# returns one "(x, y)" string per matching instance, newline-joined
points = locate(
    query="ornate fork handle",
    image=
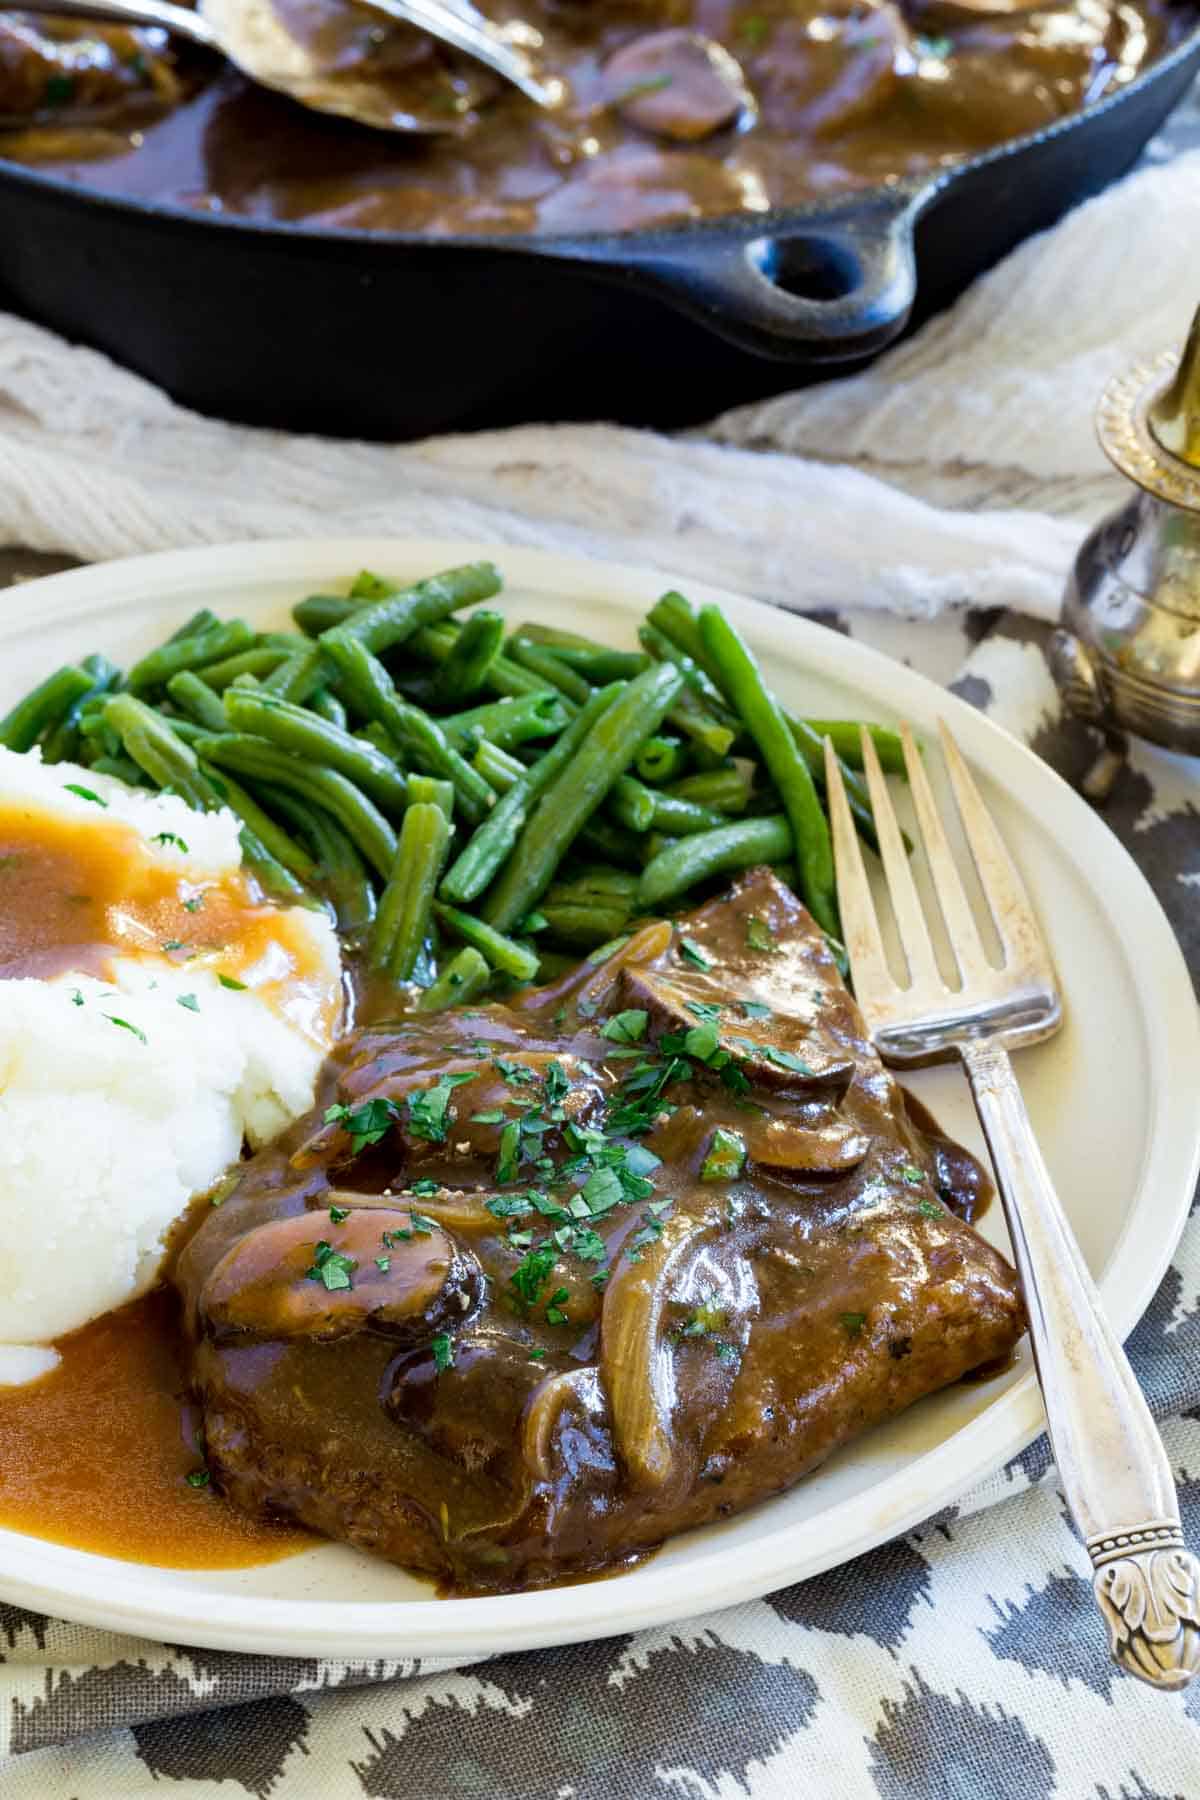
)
(1110, 1457)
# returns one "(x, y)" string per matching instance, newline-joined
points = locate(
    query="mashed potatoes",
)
(132, 1069)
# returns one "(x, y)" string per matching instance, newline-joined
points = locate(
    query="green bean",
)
(505, 677)
(661, 759)
(465, 670)
(595, 884)
(204, 620)
(187, 729)
(503, 953)
(508, 722)
(60, 741)
(195, 697)
(682, 818)
(402, 921)
(44, 706)
(465, 976)
(327, 706)
(674, 618)
(760, 713)
(271, 875)
(696, 859)
(596, 662)
(572, 797)
(320, 612)
(211, 646)
(653, 844)
(844, 734)
(724, 790)
(148, 739)
(600, 837)
(369, 586)
(428, 790)
(498, 768)
(259, 760)
(700, 712)
(298, 676)
(587, 925)
(122, 768)
(373, 733)
(369, 689)
(540, 661)
(259, 661)
(318, 742)
(340, 872)
(677, 623)
(390, 620)
(631, 803)
(479, 861)
(274, 839)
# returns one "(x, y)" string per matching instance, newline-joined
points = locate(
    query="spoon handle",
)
(178, 20)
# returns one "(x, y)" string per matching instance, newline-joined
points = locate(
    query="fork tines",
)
(1024, 954)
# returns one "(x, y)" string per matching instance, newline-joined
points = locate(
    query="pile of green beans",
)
(470, 802)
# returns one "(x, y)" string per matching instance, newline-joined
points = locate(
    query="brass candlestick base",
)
(1128, 654)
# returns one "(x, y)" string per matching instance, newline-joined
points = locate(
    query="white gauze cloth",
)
(956, 470)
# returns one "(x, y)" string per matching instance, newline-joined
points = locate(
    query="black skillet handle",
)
(829, 290)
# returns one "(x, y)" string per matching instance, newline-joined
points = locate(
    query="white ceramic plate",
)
(1113, 1098)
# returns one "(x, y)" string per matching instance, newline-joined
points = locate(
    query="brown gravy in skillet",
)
(677, 109)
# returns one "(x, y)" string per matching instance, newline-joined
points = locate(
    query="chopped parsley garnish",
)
(443, 1351)
(508, 1161)
(754, 1009)
(173, 944)
(429, 1113)
(194, 904)
(126, 1026)
(626, 1027)
(425, 1187)
(853, 1322)
(170, 837)
(383, 1263)
(421, 1225)
(581, 1241)
(197, 1478)
(726, 1156)
(84, 793)
(554, 1310)
(531, 1274)
(759, 935)
(557, 1083)
(76, 997)
(188, 1000)
(338, 1213)
(536, 1355)
(913, 1175)
(234, 986)
(706, 1321)
(494, 1116)
(937, 48)
(787, 1059)
(366, 1124)
(704, 1010)
(690, 952)
(331, 1267)
(514, 1073)
(930, 1208)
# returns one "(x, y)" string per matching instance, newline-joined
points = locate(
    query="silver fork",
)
(1111, 1461)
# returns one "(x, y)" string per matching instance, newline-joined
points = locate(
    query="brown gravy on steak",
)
(827, 1285)
(677, 109)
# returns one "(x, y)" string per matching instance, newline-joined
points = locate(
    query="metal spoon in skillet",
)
(339, 78)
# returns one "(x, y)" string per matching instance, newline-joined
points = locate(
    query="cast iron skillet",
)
(391, 335)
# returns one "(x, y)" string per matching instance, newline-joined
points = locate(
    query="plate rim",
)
(474, 1628)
